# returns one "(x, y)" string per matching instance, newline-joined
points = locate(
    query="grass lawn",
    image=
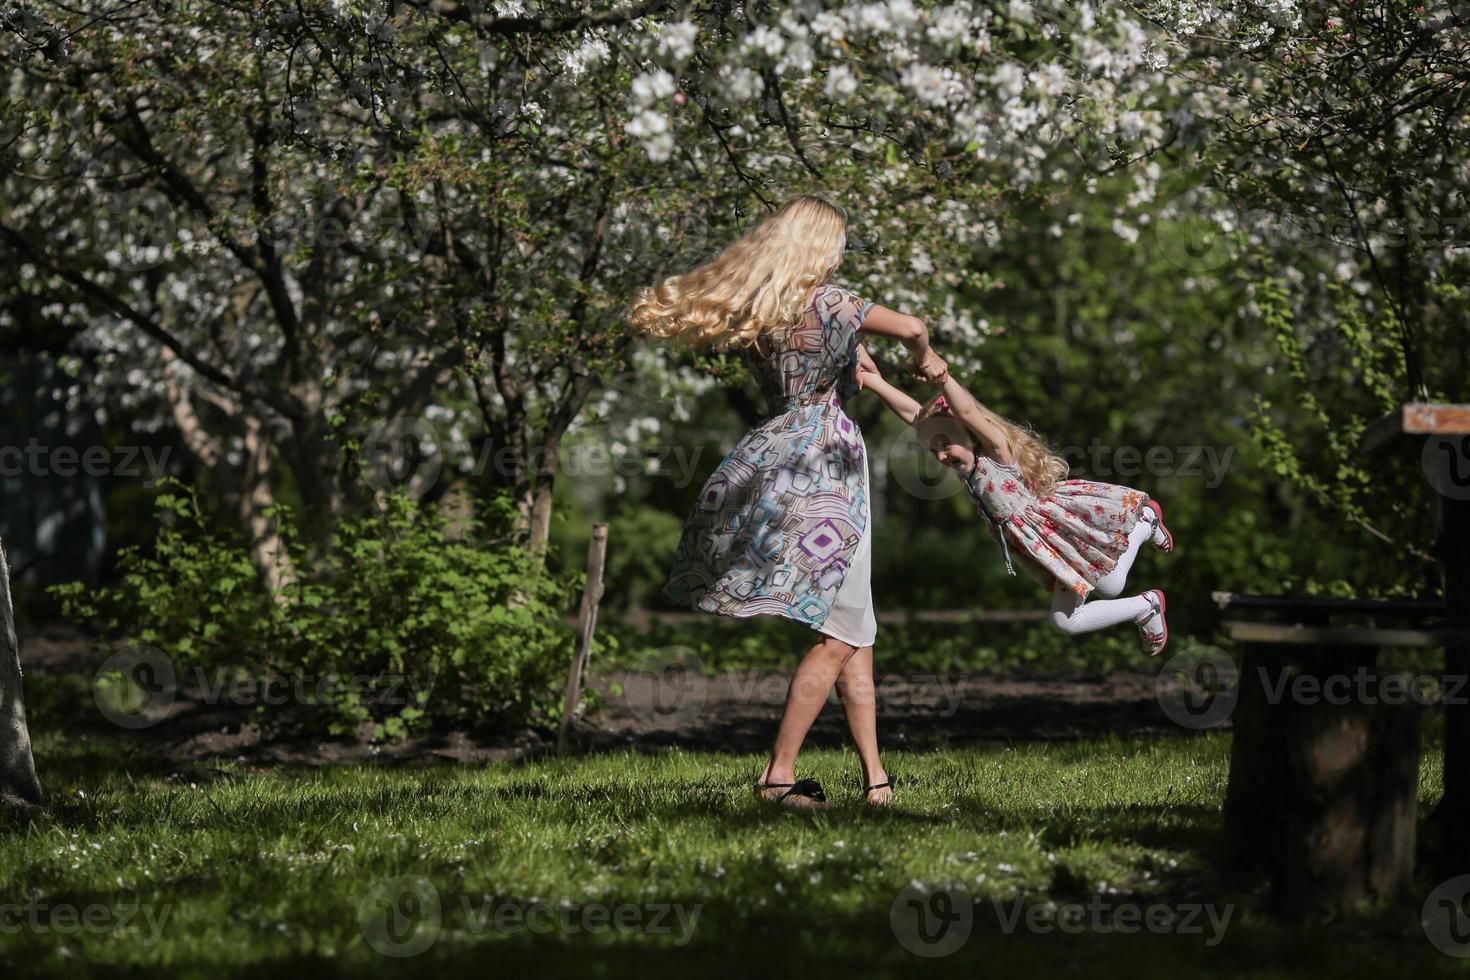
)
(659, 865)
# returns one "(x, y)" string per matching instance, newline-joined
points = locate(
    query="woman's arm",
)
(979, 420)
(913, 334)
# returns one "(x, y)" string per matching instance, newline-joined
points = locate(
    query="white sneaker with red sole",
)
(1153, 626)
(1162, 538)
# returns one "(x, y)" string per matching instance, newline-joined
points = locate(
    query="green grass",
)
(249, 872)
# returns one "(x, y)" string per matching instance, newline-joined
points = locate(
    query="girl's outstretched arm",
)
(979, 420)
(870, 378)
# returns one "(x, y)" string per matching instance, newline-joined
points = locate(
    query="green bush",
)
(396, 625)
(638, 562)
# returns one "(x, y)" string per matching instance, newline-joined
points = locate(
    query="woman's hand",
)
(930, 367)
(867, 369)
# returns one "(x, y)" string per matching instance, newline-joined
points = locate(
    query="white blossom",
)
(766, 41)
(1009, 80)
(741, 83)
(949, 24)
(841, 82)
(591, 52)
(677, 40)
(934, 86)
(652, 86)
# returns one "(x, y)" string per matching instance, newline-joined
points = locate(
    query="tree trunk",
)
(247, 488)
(536, 494)
(541, 506)
(535, 505)
(18, 780)
(314, 461)
(262, 528)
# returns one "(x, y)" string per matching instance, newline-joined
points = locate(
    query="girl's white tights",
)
(1069, 614)
(1110, 586)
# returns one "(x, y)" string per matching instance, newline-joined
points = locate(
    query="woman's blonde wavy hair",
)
(1041, 466)
(757, 285)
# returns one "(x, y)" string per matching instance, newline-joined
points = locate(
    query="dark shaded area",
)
(52, 468)
(736, 711)
(995, 941)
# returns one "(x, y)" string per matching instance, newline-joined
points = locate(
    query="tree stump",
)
(1323, 794)
(1435, 438)
(1453, 816)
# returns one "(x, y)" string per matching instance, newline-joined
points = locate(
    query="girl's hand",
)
(938, 405)
(931, 367)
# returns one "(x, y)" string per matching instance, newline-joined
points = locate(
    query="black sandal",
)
(891, 784)
(802, 789)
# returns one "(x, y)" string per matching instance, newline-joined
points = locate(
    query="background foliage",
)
(325, 253)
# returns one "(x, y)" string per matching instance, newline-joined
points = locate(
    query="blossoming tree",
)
(277, 227)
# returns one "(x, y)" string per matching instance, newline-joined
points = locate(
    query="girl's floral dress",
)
(1068, 538)
(781, 527)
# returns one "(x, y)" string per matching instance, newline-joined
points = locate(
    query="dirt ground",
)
(645, 710)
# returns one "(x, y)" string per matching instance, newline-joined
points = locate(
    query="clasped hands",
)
(929, 367)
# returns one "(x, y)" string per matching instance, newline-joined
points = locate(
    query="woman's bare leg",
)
(860, 701)
(810, 688)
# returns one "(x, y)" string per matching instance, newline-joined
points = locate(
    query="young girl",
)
(782, 525)
(1075, 537)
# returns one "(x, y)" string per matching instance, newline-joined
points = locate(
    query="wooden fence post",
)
(586, 627)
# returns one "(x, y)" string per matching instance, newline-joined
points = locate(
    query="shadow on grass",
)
(1174, 827)
(789, 915)
(968, 935)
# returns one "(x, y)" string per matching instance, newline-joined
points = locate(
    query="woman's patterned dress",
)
(781, 526)
(1068, 538)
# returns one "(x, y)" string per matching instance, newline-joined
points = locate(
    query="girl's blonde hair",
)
(1041, 466)
(758, 284)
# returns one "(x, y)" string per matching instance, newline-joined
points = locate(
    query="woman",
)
(782, 525)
